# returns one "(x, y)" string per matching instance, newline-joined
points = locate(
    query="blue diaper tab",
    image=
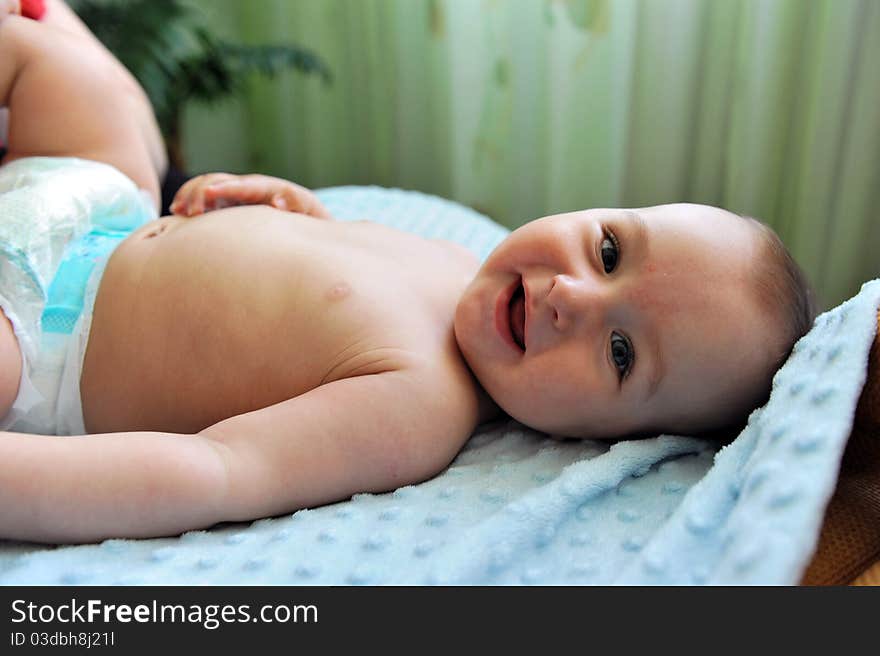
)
(66, 294)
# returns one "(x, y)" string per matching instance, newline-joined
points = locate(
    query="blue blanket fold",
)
(517, 507)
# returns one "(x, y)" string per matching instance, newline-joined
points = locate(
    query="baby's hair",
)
(783, 289)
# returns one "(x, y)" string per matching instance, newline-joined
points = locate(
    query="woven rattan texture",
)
(850, 540)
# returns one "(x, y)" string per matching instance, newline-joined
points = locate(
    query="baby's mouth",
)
(517, 313)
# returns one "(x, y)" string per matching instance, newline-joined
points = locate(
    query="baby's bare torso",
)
(200, 319)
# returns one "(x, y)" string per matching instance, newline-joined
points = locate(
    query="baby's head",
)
(614, 322)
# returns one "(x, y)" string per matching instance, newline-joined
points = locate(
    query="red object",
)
(33, 9)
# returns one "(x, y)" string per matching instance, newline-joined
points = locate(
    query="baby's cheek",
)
(665, 295)
(564, 377)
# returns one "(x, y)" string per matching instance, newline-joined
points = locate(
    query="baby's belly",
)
(197, 320)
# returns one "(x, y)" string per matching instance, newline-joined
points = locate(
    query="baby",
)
(251, 360)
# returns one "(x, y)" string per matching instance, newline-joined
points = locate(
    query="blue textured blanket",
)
(518, 507)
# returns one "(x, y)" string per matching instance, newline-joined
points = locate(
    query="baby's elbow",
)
(210, 477)
(419, 456)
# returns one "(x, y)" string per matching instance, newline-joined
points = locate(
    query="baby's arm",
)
(67, 99)
(214, 191)
(91, 487)
(369, 433)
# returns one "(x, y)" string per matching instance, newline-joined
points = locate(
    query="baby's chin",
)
(462, 335)
(555, 424)
(550, 423)
(465, 327)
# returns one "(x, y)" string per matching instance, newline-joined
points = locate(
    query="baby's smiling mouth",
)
(517, 313)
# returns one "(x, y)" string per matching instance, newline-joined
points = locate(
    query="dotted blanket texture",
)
(517, 507)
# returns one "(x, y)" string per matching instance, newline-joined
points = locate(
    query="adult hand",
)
(214, 191)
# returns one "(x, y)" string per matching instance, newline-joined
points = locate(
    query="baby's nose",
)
(576, 300)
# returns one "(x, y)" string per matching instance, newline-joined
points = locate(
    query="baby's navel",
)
(339, 291)
(157, 229)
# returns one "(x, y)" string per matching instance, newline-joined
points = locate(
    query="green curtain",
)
(522, 108)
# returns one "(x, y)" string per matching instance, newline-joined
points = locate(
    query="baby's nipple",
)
(339, 291)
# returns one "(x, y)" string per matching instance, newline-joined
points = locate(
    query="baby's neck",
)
(487, 410)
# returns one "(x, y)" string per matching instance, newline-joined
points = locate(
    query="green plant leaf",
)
(168, 47)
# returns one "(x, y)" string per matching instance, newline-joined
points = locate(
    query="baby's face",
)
(606, 322)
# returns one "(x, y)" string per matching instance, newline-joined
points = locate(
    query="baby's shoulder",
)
(440, 406)
(447, 387)
(456, 251)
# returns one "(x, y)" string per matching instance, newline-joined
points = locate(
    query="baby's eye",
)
(622, 354)
(610, 250)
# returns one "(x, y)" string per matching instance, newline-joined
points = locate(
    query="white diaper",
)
(60, 220)
(48, 400)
